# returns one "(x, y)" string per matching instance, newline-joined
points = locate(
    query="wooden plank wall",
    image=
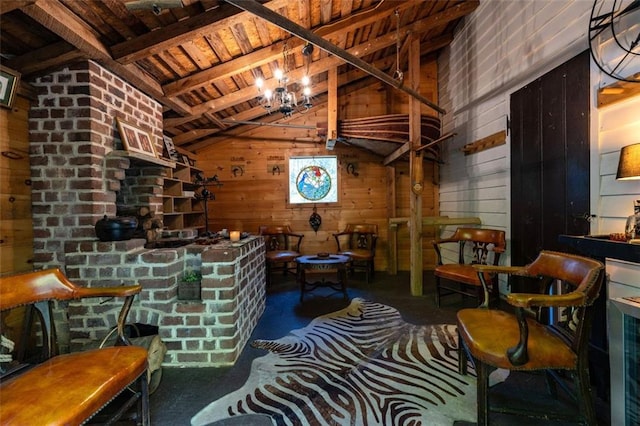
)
(258, 196)
(619, 125)
(477, 73)
(16, 229)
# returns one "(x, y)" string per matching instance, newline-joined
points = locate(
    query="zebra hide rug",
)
(362, 365)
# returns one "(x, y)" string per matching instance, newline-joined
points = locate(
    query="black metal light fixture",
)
(280, 98)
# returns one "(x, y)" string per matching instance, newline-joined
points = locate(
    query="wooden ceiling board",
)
(200, 61)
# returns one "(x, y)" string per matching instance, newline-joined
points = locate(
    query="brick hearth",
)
(79, 174)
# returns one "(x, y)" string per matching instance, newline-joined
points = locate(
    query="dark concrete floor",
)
(184, 392)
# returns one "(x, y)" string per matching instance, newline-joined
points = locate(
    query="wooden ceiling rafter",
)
(292, 27)
(317, 67)
(270, 53)
(348, 78)
(200, 61)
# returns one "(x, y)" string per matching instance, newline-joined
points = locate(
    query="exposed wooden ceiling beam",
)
(50, 57)
(274, 51)
(181, 32)
(54, 16)
(317, 67)
(348, 78)
(293, 28)
(9, 5)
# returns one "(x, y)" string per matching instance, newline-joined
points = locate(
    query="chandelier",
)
(280, 98)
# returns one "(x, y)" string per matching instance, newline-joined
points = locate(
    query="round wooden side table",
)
(315, 264)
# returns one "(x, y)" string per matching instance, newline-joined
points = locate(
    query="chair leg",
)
(462, 357)
(143, 402)
(482, 372)
(552, 386)
(437, 292)
(585, 396)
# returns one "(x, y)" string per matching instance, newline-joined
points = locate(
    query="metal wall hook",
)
(237, 171)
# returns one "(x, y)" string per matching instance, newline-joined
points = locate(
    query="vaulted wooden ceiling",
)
(200, 60)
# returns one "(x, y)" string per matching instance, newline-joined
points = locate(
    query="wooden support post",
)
(393, 228)
(415, 166)
(332, 107)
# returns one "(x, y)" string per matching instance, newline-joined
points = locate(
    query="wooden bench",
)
(69, 389)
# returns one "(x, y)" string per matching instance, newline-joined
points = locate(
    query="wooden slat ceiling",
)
(200, 61)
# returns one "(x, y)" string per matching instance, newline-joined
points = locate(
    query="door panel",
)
(550, 179)
(550, 159)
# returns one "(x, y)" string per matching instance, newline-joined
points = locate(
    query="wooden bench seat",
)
(70, 389)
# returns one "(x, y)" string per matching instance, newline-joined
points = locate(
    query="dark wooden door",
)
(550, 180)
(550, 160)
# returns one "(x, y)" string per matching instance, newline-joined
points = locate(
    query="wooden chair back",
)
(282, 248)
(474, 246)
(358, 241)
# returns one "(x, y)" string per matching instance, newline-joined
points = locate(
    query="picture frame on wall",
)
(9, 80)
(135, 139)
(170, 147)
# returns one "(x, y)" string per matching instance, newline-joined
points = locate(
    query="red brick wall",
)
(78, 176)
(73, 133)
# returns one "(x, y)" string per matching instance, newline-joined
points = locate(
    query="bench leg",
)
(143, 401)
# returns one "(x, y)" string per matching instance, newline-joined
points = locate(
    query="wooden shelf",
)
(180, 210)
(145, 159)
(619, 91)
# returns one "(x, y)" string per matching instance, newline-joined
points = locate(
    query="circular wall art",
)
(313, 183)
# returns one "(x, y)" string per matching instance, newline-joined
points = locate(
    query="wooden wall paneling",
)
(258, 196)
(16, 227)
(619, 125)
(365, 102)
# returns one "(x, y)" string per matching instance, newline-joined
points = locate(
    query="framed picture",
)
(185, 160)
(135, 139)
(170, 147)
(8, 86)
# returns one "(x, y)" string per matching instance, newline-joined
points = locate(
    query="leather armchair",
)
(283, 246)
(358, 241)
(525, 341)
(474, 246)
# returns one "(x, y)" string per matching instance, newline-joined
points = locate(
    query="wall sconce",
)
(351, 169)
(629, 164)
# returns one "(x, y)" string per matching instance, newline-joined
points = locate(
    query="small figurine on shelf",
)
(205, 195)
(632, 228)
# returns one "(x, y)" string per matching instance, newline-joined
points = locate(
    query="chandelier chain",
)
(398, 75)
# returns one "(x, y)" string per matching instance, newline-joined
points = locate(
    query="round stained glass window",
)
(313, 183)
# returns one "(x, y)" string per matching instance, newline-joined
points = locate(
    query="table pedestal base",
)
(314, 265)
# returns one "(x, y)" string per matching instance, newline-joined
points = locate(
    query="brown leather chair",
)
(283, 246)
(474, 246)
(358, 241)
(525, 341)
